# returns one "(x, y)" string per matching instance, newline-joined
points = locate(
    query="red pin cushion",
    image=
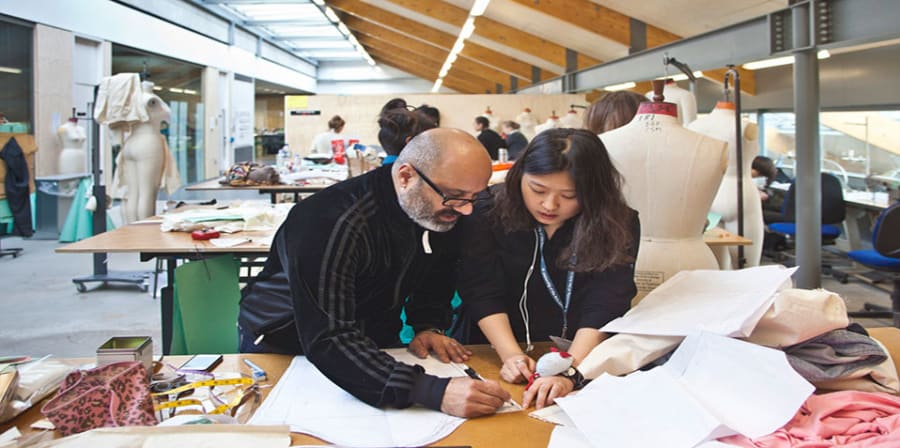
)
(204, 234)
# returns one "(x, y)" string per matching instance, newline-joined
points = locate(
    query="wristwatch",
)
(431, 329)
(576, 377)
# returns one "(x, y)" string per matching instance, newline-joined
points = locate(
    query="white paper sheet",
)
(713, 386)
(553, 414)
(729, 303)
(310, 403)
(567, 437)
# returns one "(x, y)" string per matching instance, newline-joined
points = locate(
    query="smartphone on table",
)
(201, 363)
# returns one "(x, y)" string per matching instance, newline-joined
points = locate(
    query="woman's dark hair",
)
(399, 125)
(431, 112)
(510, 124)
(394, 103)
(766, 167)
(483, 122)
(613, 110)
(602, 235)
(336, 123)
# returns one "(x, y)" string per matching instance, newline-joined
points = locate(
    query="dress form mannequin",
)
(720, 124)
(71, 138)
(551, 123)
(684, 99)
(143, 157)
(527, 123)
(671, 176)
(571, 120)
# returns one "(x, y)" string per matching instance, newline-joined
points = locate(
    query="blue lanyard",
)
(548, 282)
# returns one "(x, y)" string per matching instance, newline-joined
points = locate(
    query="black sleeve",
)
(429, 305)
(607, 295)
(481, 284)
(325, 253)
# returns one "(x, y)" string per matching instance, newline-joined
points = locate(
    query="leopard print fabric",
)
(116, 394)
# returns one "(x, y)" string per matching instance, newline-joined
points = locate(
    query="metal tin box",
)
(127, 348)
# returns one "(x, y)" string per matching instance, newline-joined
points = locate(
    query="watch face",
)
(570, 371)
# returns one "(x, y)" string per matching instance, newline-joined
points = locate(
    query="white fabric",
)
(671, 177)
(720, 124)
(527, 123)
(551, 123)
(119, 100)
(570, 120)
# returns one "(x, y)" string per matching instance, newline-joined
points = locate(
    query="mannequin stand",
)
(12, 251)
(101, 274)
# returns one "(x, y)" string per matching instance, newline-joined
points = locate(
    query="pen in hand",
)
(475, 376)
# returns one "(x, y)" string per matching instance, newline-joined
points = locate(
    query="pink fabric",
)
(850, 419)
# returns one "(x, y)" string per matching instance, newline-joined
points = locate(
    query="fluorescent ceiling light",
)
(176, 90)
(452, 58)
(343, 29)
(437, 85)
(14, 71)
(331, 15)
(479, 7)
(443, 72)
(458, 46)
(467, 29)
(190, 92)
(623, 86)
(784, 60)
(157, 88)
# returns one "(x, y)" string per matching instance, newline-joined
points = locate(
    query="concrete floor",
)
(42, 313)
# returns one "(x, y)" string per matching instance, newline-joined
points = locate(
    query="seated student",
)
(552, 255)
(398, 125)
(491, 140)
(515, 140)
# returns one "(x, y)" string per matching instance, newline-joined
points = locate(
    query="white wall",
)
(107, 20)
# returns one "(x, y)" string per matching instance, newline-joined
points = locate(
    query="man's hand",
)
(545, 390)
(446, 349)
(466, 397)
(517, 368)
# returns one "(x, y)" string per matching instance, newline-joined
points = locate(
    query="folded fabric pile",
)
(849, 419)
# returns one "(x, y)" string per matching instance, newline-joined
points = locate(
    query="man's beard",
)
(418, 208)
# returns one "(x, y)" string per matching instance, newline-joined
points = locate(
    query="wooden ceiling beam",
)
(406, 67)
(385, 47)
(367, 32)
(365, 18)
(414, 67)
(493, 30)
(598, 19)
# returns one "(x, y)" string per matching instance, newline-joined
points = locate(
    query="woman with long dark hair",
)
(551, 256)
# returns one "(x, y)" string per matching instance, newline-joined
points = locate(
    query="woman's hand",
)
(517, 368)
(544, 391)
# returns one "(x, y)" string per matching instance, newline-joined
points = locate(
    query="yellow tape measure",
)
(195, 402)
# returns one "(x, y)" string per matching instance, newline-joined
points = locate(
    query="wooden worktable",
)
(513, 429)
(147, 238)
(272, 190)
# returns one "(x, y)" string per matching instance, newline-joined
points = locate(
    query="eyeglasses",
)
(450, 201)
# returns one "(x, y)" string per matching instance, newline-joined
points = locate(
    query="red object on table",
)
(204, 234)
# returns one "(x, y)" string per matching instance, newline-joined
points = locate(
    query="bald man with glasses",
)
(349, 258)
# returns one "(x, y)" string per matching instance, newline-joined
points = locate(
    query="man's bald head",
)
(454, 161)
(433, 149)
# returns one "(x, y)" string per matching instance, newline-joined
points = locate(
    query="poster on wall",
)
(298, 105)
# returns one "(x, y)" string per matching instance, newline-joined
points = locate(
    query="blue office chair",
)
(833, 214)
(885, 257)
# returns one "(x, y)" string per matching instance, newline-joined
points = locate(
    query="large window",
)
(15, 77)
(179, 84)
(861, 147)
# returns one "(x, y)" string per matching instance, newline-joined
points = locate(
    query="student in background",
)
(325, 142)
(613, 110)
(397, 127)
(515, 140)
(491, 140)
(552, 255)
